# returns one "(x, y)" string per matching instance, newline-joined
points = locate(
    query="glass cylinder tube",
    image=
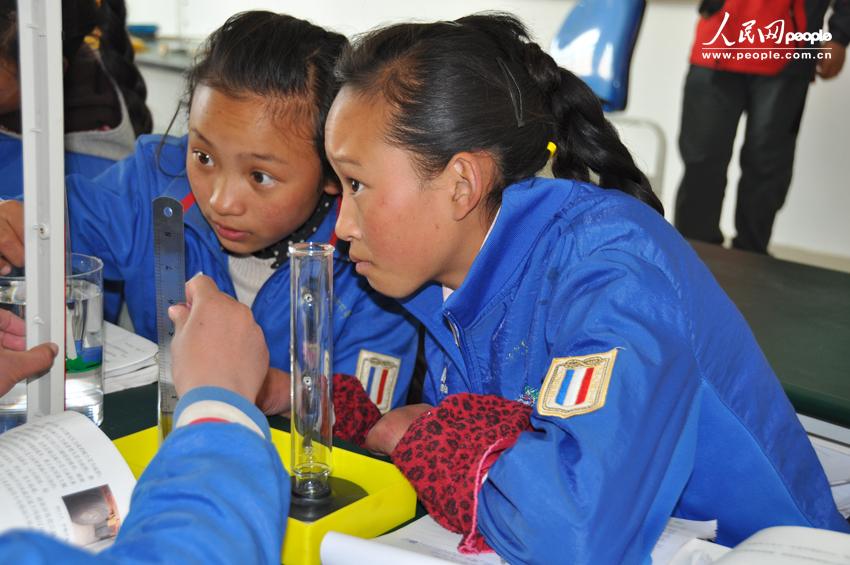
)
(311, 343)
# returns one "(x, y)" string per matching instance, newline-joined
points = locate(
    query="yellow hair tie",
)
(551, 148)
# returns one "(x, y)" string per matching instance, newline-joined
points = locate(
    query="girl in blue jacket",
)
(589, 379)
(104, 92)
(253, 177)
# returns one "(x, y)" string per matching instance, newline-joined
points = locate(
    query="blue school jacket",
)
(12, 165)
(651, 397)
(110, 217)
(214, 493)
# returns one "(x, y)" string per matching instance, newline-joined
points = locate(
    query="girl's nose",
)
(226, 197)
(346, 224)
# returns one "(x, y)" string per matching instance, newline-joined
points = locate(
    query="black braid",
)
(118, 58)
(586, 141)
(590, 142)
(9, 31)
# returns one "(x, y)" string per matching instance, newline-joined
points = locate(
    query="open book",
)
(61, 475)
(780, 545)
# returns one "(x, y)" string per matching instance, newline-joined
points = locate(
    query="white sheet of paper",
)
(835, 459)
(698, 552)
(677, 534)
(791, 545)
(424, 542)
(125, 351)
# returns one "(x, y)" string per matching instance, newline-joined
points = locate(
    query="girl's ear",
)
(471, 176)
(331, 187)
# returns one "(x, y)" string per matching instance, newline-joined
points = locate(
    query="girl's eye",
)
(262, 178)
(355, 185)
(203, 158)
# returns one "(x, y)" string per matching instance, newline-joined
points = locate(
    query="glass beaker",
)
(311, 343)
(83, 341)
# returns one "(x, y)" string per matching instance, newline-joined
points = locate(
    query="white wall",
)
(815, 217)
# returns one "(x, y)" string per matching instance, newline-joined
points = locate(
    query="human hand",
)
(385, 435)
(828, 68)
(275, 396)
(15, 363)
(11, 235)
(216, 342)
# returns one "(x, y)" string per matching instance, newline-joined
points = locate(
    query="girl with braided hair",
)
(587, 377)
(253, 178)
(104, 94)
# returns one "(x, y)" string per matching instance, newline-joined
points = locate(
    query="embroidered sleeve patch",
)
(576, 385)
(378, 374)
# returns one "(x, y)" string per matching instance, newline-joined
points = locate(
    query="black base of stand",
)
(343, 492)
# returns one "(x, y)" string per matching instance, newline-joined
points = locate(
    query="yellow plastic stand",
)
(390, 501)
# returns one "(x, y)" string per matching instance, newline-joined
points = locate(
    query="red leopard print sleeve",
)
(447, 452)
(354, 412)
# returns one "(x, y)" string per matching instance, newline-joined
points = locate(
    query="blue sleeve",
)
(110, 215)
(598, 487)
(375, 334)
(214, 493)
(88, 166)
(34, 548)
(12, 166)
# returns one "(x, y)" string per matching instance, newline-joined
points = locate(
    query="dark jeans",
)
(712, 106)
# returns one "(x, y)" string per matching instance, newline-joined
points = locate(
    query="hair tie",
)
(551, 148)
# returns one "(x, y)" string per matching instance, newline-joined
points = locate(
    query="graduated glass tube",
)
(311, 343)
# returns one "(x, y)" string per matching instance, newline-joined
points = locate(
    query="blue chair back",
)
(596, 42)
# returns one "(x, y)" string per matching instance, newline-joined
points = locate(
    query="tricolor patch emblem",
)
(576, 385)
(378, 374)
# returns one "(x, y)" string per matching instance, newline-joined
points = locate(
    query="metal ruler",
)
(170, 275)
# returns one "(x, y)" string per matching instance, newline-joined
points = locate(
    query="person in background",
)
(772, 94)
(253, 177)
(104, 92)
(587, 377)
(218, 457)
(104, 99)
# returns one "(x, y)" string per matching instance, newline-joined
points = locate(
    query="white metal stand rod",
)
(42, 120)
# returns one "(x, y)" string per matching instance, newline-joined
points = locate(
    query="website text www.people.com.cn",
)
(762, 54)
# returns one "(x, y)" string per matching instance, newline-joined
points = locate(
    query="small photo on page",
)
(94, 515)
